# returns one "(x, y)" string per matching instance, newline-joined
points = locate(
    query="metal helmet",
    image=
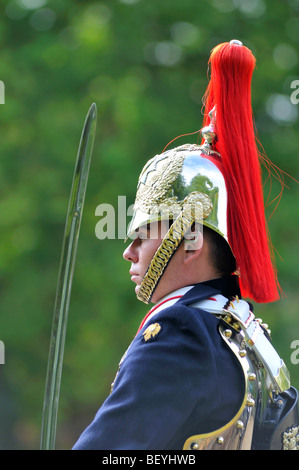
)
(217, 183)
(183, 185)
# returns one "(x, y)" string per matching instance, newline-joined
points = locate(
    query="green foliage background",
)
(144, 63)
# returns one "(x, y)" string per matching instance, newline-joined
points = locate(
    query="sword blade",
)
(65, 277)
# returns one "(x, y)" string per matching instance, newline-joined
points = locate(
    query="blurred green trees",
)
(144, 63)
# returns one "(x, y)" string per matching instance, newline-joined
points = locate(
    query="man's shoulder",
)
(181, 325)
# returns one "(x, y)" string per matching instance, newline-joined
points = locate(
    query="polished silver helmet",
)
(187, 184)
(183, 185)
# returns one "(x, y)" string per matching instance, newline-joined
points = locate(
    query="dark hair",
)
(220, 252)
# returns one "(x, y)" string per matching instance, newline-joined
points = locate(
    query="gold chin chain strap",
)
(195, 208)
(169, 245)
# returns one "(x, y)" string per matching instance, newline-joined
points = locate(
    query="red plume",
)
(229, 91)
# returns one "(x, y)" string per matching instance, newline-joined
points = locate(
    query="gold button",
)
(251, 377)
(250, 401)
(242, 352)
(194, 446)
(227, 333)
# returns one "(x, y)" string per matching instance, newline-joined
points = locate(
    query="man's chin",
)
(137, 289)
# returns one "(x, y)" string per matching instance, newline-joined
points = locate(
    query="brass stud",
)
(242, 353)
(239, 424)
(251, 377)
(194, 446)
(227, 333)
(220, 440)
(250, 401)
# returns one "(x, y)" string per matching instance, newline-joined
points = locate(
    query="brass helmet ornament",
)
(180, 185)
(217, 184)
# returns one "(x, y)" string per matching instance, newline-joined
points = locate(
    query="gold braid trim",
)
(290, 439)
(169, 244)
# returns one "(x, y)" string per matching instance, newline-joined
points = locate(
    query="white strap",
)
(213, 305)
(253, 333)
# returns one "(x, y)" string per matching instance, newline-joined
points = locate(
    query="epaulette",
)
(268, 415)
(236, 314)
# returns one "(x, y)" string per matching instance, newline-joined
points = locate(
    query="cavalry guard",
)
(201, 372)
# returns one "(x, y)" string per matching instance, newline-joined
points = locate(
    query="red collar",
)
(155, 308)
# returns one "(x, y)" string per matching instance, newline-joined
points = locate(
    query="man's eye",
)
(138, 236)
(142, 236)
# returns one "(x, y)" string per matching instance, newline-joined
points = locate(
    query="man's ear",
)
(193, 245)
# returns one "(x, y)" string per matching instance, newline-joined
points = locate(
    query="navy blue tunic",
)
(185, 381)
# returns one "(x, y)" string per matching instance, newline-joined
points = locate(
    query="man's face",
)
(140, 253)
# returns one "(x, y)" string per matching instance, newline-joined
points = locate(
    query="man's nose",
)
(130, 253)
